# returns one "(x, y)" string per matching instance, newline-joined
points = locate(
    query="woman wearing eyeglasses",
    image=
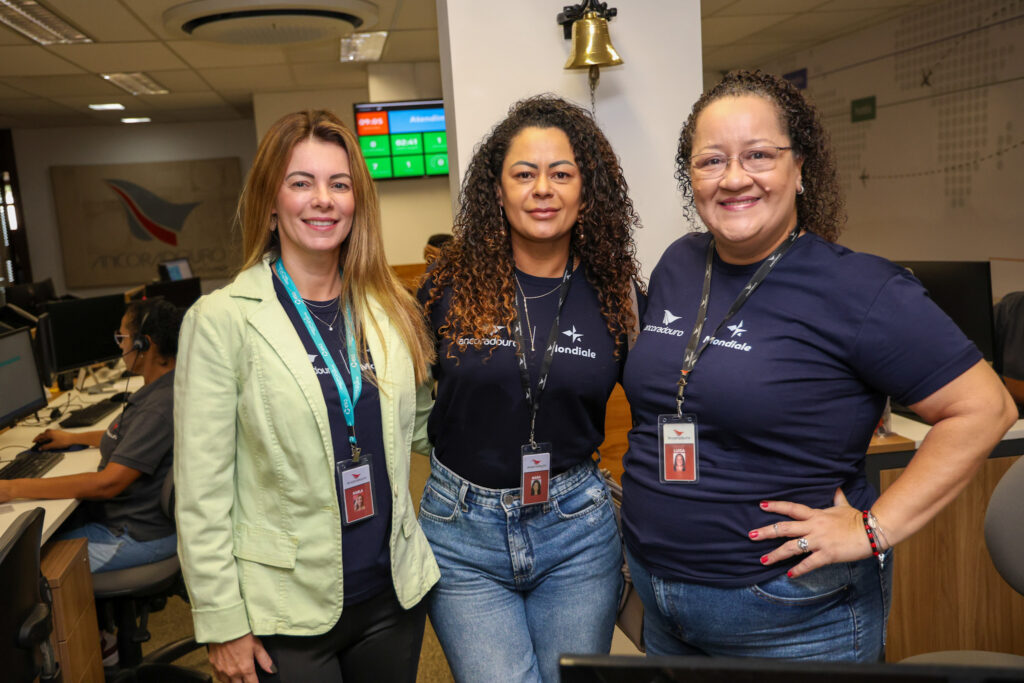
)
(764, 360)
(122, 518)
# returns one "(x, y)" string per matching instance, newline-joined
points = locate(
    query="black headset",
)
(141, 342)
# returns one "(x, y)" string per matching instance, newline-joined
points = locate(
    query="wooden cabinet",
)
(76, 637)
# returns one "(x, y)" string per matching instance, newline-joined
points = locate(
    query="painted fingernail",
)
(764, 504)
(764, 559)
(753, 534)
(790, 573)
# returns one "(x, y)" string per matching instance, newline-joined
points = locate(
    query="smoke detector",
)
(268, 22)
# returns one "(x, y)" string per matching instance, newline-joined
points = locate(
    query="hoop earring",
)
(800, 189)
(580, 235)
(504, 221)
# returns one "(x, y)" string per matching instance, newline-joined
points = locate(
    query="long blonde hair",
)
(364, 269)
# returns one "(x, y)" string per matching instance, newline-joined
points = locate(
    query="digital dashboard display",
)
(403, 139)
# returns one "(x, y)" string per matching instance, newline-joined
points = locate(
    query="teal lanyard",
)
(347, 404)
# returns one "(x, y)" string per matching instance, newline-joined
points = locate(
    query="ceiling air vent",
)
(268, 22)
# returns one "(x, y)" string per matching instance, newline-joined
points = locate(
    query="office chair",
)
(130, 595)
(1006, 547)
(26, 619)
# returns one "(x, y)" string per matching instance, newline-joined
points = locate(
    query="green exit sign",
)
(862, 109)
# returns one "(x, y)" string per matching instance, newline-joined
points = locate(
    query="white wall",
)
(411, 209)
(36, 150)
(942, 161)
(493, 54)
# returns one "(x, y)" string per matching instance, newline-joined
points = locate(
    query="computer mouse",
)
(120, 397)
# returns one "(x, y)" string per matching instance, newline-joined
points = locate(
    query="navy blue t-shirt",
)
(364, 545)
(786, 397)
(481, 418)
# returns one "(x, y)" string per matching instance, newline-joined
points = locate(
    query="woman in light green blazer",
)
(304, 374)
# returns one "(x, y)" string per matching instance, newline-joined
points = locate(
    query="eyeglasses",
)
(755, 160)
(119, 338)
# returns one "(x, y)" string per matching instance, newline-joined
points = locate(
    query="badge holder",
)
(677, 444)
(536, 473)
(356, 489)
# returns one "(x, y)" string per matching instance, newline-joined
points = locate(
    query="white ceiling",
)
(53, 86)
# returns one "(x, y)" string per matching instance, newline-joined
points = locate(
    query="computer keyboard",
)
(30, 465)
(90, 415)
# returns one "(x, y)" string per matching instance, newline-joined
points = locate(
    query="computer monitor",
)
(83, 330)
(963, 290)
(181, 293)
(31, 296)
(175, 269)
(620, 669)
(23, 393)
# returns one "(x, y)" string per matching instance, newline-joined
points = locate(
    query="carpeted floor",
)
(175, 621)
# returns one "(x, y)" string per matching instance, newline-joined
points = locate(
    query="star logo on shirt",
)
(573, 334)
(737, 329)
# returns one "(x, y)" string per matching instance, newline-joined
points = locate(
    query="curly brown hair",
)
(477, 264)
(820, 209)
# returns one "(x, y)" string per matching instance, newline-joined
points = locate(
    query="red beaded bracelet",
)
(871, 539)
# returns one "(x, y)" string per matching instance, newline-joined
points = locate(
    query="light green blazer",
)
(259, 529)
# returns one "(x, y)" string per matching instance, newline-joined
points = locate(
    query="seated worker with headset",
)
(122, 519)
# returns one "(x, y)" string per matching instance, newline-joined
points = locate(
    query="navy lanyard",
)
(533, 397)
(347, 404)
(693, 351)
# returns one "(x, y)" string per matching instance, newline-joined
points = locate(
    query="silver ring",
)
(775, 527)
(803, 545)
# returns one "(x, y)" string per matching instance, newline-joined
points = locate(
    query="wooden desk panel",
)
(947, 594)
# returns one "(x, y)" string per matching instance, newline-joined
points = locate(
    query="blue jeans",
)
(108, 551)
(835, 613)
(521, 585)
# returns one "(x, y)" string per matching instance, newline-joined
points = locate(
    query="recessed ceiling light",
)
(363, 47)
(136, 82)
(135, 119)
(111, 106)
(37, 23)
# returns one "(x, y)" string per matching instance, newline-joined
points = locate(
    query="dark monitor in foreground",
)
(83, 330)
(612, 669)
(176, 269)
(31, 296)
(181, 293)
(963, 289)
(23, 393)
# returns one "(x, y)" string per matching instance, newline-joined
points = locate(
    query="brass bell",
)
(591, 44)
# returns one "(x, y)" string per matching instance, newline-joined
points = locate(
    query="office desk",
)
(947, 594)
(74, 462)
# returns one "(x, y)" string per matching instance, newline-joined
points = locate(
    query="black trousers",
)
(375, 640)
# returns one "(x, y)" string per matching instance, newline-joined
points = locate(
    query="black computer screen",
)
(19, 376)
(83, 330)
(963, 289)
(181, 293)
(31, 296)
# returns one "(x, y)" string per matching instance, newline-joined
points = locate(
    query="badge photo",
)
(677, 438)
(536, 474)
(357, 490)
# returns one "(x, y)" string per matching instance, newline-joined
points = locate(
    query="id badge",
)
(677, 444)
(356, 489)
(536, 471)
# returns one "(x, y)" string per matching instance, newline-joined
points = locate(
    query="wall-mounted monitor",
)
(403, 139)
